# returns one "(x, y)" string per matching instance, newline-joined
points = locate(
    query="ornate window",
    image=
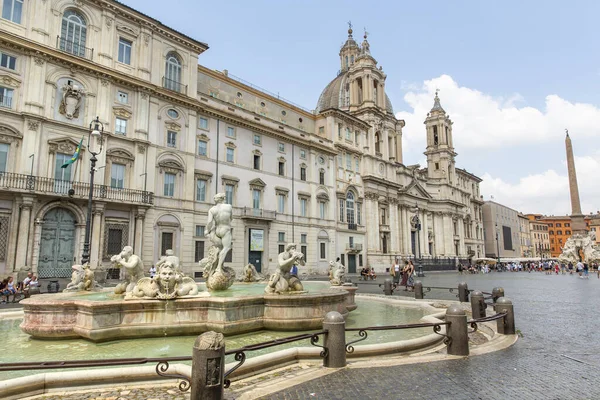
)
(8, 61)
(172, 72)
(117, 176)
(12, 10)
(350, 208)
(116, 236)
(6, 97)
(4, 221)
(4, 148)
(342, 206)
(321, 177)
(124, 55)
(73, 33)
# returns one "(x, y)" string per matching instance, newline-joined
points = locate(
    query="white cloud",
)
(482, 121)
(548, 192)
(502, 135)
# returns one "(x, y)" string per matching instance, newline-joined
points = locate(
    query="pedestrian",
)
(396, 272)
(410, 282)
(460, 269)
(152, 272)
(586, 271)
(580, 269)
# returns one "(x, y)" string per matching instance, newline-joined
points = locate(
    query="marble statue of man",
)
(218, 227)
(134, 267)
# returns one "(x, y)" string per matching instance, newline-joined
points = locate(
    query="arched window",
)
(351, 59)
(73, 33)
(350, 208)
(173, 72)
(346, 62)
(347, 97)
(377, 148)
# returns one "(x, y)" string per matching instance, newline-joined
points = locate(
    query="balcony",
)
(174, 86)
(76, 190)
(75, 49)
(353, 227)
(256, 213)
(353, 247)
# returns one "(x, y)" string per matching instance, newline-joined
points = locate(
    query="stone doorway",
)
(57, 244)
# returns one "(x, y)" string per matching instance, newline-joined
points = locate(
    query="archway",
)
(57, 244)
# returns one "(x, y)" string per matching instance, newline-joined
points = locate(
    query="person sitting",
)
(371, 274)
(4, 290)
(27, 280)
(33, 286)
(364, 272)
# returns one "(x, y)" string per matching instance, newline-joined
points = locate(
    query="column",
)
(139, 230)
(95, 251)
(426, 233)
(422, 233)
(461, 235)
(22, 250)
(394, 231)
(448, 235)
(438, 235)
(406, 231)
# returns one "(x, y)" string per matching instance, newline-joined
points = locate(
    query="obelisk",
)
(577, 218)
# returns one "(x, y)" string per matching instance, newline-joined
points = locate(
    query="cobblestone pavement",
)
(158, 393)
(557, 358)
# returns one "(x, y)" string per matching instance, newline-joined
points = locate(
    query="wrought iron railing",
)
(362, 332)
(76, 49)
(174, 86)
(73, 189)
(473, 322)
(240, 354)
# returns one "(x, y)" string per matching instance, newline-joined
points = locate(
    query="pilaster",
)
(22, 250)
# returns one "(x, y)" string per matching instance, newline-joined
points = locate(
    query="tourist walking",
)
(396, 272)
(410, 282)
(404, 274)
(152, 272)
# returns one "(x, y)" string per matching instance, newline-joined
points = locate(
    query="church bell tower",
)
(440, 147)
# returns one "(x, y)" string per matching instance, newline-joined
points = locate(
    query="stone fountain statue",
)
(169, 283)
(282, 281)
(337, 273)
(172, 258)
(580, 243)
(82, 279)
(251, 274)
(218, 230)
(134, 268)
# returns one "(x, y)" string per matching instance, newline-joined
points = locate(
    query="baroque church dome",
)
(353, 57)
(333, 95)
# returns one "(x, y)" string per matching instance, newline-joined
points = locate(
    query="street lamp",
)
(417, 222)
(95, 144)
(497, 244)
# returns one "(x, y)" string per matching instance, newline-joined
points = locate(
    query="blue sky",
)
(512, 75)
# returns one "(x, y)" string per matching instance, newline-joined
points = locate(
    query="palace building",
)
(177, 133)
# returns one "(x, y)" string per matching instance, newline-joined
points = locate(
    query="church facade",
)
(331, 180)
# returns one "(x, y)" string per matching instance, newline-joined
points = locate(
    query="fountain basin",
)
(66, 316)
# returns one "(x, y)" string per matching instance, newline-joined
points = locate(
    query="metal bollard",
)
(208, 363)
(463, 292)
(478, 305)
(335, 340)
(457, 331)
(506, 325)
(388, 287)
(418, 290)
(497, 292)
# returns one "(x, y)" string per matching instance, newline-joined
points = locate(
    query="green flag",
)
(75, 155)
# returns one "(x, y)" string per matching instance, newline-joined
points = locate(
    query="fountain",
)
(173, 304)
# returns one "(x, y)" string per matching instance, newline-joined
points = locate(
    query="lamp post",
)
(417, 221)
(497, 244)
(95, 148)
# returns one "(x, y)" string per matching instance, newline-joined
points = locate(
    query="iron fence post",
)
(457, 331)
(506, 325)
(387, 287)
(463, 292)
(208, 364)
(418, 290)
(335, 340)
(497, 292)
(478, 305)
